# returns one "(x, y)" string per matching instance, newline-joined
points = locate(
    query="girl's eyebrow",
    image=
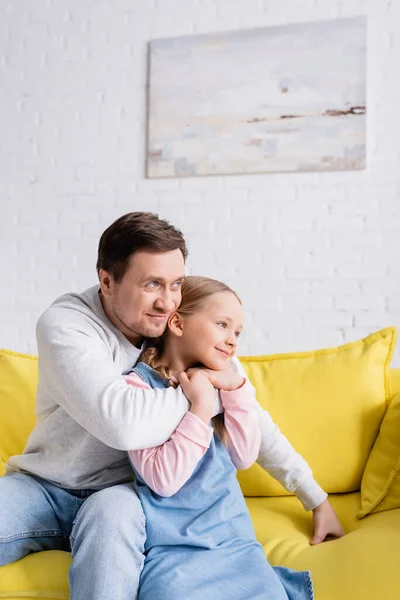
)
(230, 321)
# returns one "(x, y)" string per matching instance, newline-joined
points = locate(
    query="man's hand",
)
(326, 524)
(227, 379)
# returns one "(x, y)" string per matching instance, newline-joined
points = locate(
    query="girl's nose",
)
(231, 341)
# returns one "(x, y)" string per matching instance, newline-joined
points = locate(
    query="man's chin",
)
(153, 331)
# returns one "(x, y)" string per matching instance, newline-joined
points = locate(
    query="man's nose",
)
(165, 302)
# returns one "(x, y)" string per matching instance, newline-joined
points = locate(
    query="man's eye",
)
(176, 285)
(152, 284)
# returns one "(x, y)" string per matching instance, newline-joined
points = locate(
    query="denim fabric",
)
(104, 530)
(201, 542)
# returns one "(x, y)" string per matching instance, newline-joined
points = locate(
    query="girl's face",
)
(210, 335)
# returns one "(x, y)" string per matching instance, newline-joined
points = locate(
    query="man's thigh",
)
(107, 544)
(109, 514)
(34, 515)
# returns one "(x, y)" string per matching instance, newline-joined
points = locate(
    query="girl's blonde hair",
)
(195, 290)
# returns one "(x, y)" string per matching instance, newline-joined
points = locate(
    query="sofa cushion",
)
(18, 381)
(41, 575)
(329, 403)
(361, 565)
(380, 485)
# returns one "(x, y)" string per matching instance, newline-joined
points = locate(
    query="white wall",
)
(315, 256)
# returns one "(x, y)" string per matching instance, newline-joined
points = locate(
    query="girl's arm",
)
(242, 424)
(166, 468)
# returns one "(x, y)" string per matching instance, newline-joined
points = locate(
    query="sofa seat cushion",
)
(42, 576)
(362, 564)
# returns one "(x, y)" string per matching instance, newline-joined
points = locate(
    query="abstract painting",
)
(275, 99)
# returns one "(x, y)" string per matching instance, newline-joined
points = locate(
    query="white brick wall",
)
(315, 256)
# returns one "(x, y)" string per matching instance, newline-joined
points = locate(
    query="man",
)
(71, 488)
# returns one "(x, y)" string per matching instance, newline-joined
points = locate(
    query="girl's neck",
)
(172, 358)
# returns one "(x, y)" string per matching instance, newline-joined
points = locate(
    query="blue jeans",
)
(104, 530)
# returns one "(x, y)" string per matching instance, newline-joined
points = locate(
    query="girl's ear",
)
(175, 324)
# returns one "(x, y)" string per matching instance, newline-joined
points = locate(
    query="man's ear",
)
(175, 324)
(106, 282)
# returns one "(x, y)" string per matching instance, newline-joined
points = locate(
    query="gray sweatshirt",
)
(88, 416)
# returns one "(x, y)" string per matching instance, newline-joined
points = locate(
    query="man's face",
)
(140, 304)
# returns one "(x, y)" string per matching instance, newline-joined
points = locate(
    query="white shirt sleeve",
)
(77, 371)
(278, 457)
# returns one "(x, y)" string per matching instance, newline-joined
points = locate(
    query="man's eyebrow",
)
(158, 278)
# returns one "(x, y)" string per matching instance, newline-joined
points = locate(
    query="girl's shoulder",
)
(149, 375)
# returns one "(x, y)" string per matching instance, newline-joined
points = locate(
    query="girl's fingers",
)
(184, 380)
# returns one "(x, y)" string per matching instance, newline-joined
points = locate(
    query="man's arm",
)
(76, 368)
(278, 457)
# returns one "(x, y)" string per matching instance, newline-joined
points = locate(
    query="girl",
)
(200, 539)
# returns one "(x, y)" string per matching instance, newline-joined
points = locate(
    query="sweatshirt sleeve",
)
(76, 369)
(166, 468)
(278, 457)
(242, 425)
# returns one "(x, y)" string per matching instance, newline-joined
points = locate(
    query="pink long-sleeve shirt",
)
(166, 468)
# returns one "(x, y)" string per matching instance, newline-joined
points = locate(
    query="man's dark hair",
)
(131, 233)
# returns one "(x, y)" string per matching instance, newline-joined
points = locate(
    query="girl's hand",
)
(227, 379)
(200, 392)
(326, 524)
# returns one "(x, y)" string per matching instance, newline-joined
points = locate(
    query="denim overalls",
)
(201, 543)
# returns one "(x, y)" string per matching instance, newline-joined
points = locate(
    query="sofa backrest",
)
(329, 403)
(18, 381)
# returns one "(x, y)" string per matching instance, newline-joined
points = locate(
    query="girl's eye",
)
(237, 333)
(222, 324)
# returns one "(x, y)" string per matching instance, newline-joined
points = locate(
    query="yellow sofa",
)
(332, 404)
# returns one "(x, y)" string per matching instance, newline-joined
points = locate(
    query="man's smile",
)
(158, 318)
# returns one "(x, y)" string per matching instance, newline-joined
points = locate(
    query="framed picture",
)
(286, 98)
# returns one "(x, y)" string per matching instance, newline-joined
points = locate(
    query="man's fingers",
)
(316, 540)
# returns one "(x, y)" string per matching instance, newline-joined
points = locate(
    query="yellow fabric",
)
(361, 565)
(18, 381)
(380, 486)
(394, 382)
(329, 403)
(41, 575)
